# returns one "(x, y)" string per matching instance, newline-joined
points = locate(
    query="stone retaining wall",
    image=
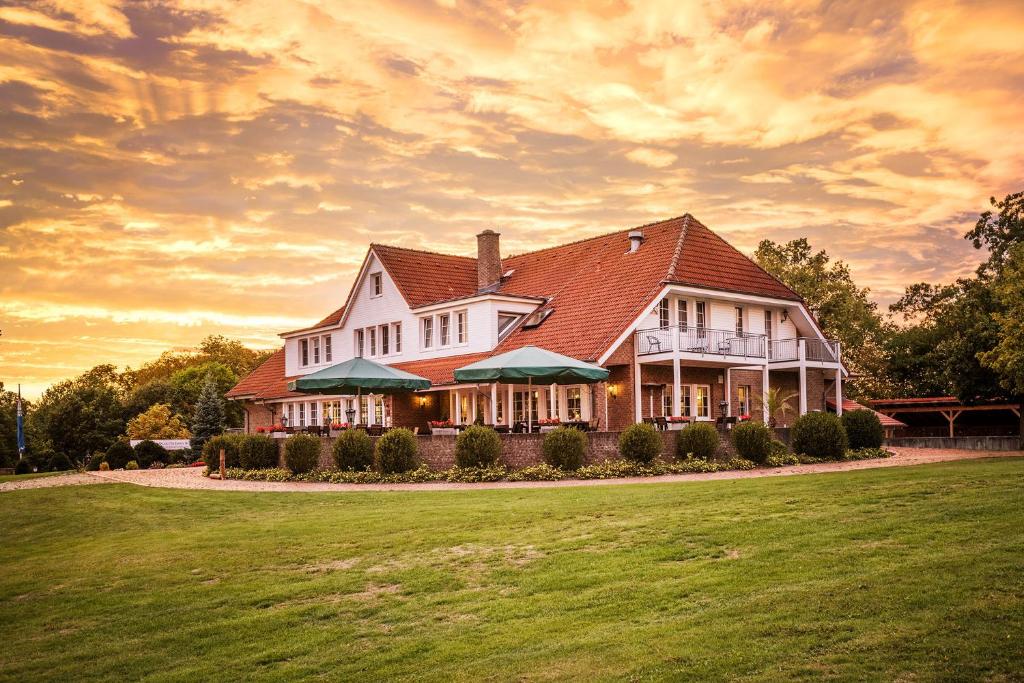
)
(518, 450)
(965, 443)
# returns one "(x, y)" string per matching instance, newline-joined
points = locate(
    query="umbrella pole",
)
(529, 405)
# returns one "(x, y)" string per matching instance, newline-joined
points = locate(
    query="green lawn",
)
(904, 573)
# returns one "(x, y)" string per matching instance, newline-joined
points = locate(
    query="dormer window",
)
(536, 318)
(377, 281)
(506, 321)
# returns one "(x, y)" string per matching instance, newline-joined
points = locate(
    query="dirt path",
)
(192, 478)
(71, 479)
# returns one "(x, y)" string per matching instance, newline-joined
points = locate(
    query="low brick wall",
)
(965, 443)
(517, 450)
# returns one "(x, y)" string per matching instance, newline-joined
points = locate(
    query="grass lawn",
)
(904, 573)
(30, 475)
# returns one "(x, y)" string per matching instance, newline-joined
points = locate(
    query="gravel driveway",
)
(192, 477)
(71, 479)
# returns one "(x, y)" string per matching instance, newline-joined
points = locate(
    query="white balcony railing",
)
(782, 350)
(703, 340)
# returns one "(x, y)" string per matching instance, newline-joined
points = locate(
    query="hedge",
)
(477, 447)
(639, 443)
(698, 440)
(257, 452)
(230, 443)
(396, 451)
(863, 429)
(564, 448)
(147, 452)
(353, 450)
(753, 441)
(819, 435)
(302, 453)
(118, 455)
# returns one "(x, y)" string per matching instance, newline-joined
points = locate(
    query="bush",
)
(353, 450)
(147, 452)
(477, 447)
(94, 462)
(118, 455)
(104, 466)
(257, 452)
(131, 465)
(753, 441)
(302, 453)
(181, 455)
(564, 448)
(230, 443)
(59, 463)
(863, 429)
(819, 435)
(396, 451)
(23, 467)
(639, 443)
(699, 440)
(779, 449)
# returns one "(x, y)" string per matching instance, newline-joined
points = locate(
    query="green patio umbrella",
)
(531, 363)
(358, 374)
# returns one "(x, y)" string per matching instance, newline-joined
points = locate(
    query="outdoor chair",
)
(661, 423)
(362, 426)
(375, 430)
(653, 344)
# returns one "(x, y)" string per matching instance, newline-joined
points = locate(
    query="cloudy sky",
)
(167, 172)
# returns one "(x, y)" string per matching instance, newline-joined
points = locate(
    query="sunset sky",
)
(220, 167)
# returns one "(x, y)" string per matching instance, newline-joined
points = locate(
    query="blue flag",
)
(21, 427)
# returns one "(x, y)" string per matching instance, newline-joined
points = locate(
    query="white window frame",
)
(740, 327)
(462, 327)
(373, 341)
(304, 352)
(768, 320)
(682, 314)
(316, 350)
(513, 318)
(312, 414)
(663, 314)
(744, 392)
(686, 400)
(573, 395)
(302, 414)
(444, 330)
(697, 404)
(427, 335)
(385, 340)
(701, 317)
(360, 343)
(396, 337)
(377, 280)
(328, 351)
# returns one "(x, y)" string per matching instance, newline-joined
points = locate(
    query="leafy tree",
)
(157, 423)
(1006, 357)
(999, 232)
(81, 415)
(149, 394)
(844, 310)
(208, 420)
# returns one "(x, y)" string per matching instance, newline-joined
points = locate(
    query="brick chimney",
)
(488, 259)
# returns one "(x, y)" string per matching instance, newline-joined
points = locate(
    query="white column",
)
(637, 390)
(474, 400)
(764, 393)
(677, 389)
(553, 400)
(494, 403)
(458, 407)
(803, 376)
(509, 405)
(728, 391)
(839, 391)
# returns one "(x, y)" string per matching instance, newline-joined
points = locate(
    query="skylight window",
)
(536, 318)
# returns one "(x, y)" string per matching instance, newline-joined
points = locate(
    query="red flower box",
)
(441, 424)
(549, 421)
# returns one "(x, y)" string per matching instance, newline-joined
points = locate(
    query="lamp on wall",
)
(785, 315)
(423, 401)
(613, 390)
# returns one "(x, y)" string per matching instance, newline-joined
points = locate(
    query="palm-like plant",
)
(778, 404)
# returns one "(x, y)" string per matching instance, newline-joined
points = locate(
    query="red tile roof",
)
(440, 371)
(595, 287)
(849, 406)
(271, 371)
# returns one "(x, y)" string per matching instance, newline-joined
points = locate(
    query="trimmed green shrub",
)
(863, 429)
(131, 465)
(699, 440)
(477, 446)
(230, 443)
(23, 467)
(94, 462)
(639, 443)
(302, 453)
(182, 455)
(564, 448)
(147, 452)
(353, 450)
(819, 435)
(257, 452)
(753, 441)
(396, 451)
(118, 455)
(779, 449)
(59, 463)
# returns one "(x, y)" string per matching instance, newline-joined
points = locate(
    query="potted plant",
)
(442, 427)
(677, 422)
(338, 427)
(549, 424)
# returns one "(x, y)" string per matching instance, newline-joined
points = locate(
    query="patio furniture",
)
(375, 430)
(661, 424)
(501, 429)
(361, 426)
(653, 344)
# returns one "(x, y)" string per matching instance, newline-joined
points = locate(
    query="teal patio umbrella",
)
(356, 375)
(531, 363)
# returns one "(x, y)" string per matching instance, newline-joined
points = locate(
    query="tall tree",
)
(844, 310)
(189, 383)
(79, 416)
(208, 420)
(157, 423)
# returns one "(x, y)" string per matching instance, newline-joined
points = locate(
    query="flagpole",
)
(20, 427)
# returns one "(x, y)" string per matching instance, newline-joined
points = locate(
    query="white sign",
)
(169, 444)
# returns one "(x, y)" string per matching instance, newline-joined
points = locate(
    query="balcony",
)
(699, 340)
(815, 350)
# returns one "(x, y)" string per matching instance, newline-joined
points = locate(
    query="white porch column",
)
(728, 391)
(494, 403)
(474, 400)
(458, 407)
(553, 400)
(803, 376)
(637, 390)
(677, 389)
(509, 406)
(839, 391)
(764, 393)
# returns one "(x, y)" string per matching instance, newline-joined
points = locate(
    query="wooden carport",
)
(948, 406)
